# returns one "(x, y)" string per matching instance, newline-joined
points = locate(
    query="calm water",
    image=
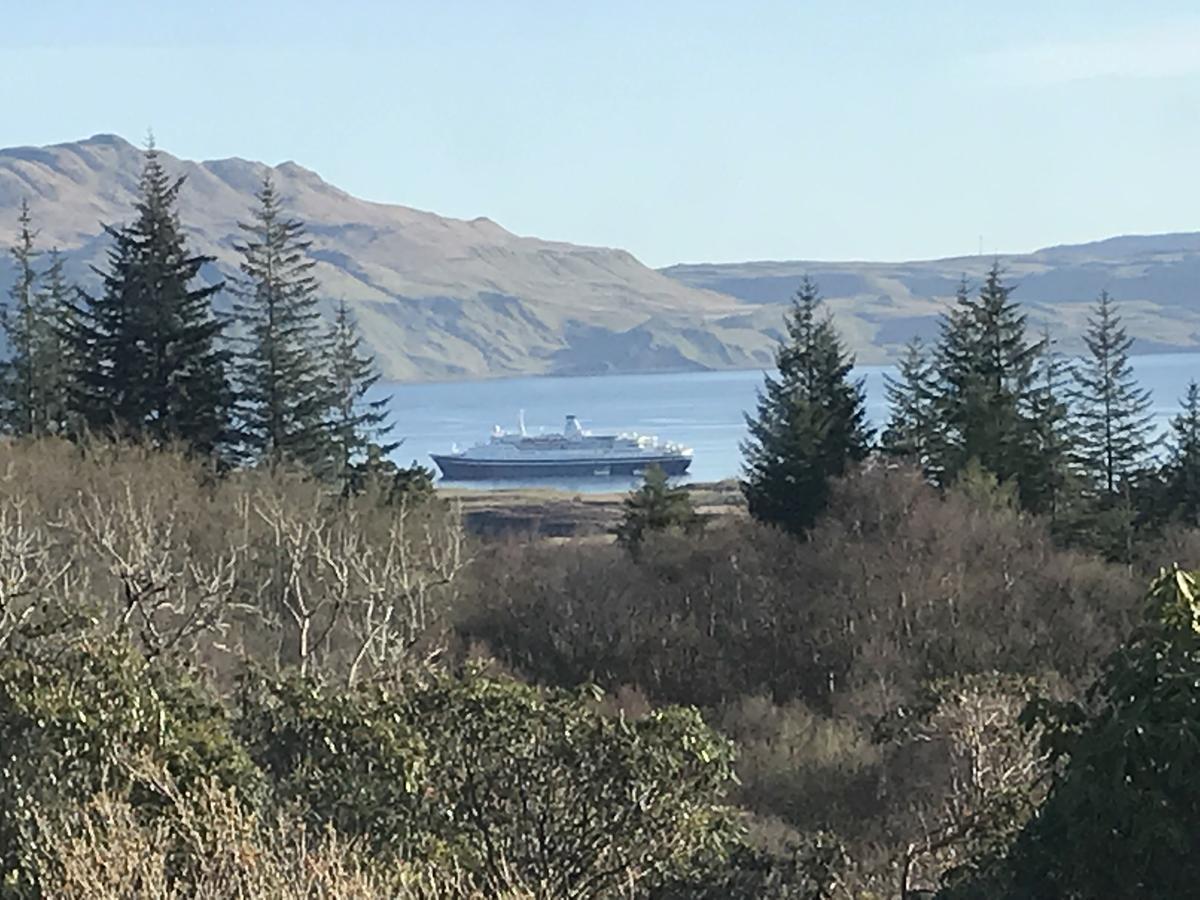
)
(703, 410)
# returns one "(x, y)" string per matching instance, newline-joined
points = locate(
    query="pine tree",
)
(1113, 413)
(810, 422)
(146, 350)
(912, 429)
(280, 373)
(655, 506)
(358, 426)
(986, 375)
(1182, 470)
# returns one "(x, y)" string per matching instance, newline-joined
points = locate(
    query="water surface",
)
(702, 410)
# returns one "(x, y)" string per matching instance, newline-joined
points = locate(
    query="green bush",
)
(82, 722)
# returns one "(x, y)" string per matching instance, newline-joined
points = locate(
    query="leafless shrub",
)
(269, 565)
(209, 845)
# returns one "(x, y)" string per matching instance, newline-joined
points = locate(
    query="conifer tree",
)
(146, 349)
(1044, 486)
(20, 329)
(1182, 470)
(1113, 413)
(986, 374)
(810, 421)
(280, 372)
(34, 375)
(56, 369)
(656, 506)
(912, 429)
(358, 426)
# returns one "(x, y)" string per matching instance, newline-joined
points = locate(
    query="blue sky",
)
(682, 131)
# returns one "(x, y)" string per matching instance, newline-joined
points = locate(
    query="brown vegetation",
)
(870, 678)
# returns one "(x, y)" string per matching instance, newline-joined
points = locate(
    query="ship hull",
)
(461, 468)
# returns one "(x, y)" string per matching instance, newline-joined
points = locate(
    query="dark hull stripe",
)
(458, 468)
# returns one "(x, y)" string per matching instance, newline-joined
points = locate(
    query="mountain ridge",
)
(881, 305)
(442, 298)
(437, 297)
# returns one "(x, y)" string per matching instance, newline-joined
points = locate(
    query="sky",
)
(687, 131)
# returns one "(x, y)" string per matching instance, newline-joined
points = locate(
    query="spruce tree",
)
(656, 506)
(20, 323)
(55, 378)
(358, 426)
(1182, 471)
(912, 429)
(986, 375)
(146, 349)
(280, 372)
(1113, 413)
(810, 422)
(34, 374)
(1045, 484)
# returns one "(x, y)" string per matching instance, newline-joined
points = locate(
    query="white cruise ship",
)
(574, 453)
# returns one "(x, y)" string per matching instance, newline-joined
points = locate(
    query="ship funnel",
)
(572, 429)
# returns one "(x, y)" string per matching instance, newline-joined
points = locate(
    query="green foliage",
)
(1182, 470)
(655, 506)
(806, 869)
(146, 350)
(70, 727)
(1113, 413)
(987, 370)
(507, 779)
(32, 386)
(391, 484)
(579, 803)
(281, 377)
(350, 760)
(1046, 486)
(1123, 809)
(358, 426)
(983, 490)
(912, 431)
(54, 352)
(810, 425)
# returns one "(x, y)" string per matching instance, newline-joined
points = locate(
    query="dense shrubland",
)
(243, 654)
(257, 680)
(872, 676)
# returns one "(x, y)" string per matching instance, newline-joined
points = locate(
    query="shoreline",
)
(550, 512)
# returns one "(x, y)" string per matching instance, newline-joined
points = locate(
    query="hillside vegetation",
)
(244, 654)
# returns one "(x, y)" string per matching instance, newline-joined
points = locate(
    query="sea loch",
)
(702, 410)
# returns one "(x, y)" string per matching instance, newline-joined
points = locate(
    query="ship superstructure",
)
(572, 453)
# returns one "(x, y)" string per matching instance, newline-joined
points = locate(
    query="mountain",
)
(442, 298)
(437, 298)
(880, 306)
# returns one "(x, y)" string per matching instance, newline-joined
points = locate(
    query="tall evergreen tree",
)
(986, 373)
(280, 372)
(913, 427)
(1113, 413)
(33, 381)
(1182, 470)
(20, 329)
(810, 423)
(146, 349)
(359, 426)
(1044, 486)
(55, 378)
